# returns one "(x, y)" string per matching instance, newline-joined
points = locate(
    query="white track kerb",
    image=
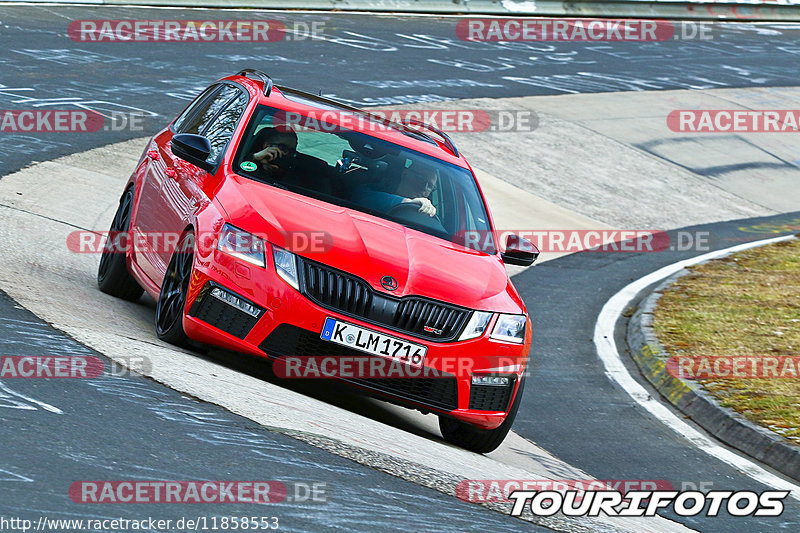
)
(616, 371)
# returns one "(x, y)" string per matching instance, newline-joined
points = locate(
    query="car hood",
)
(370, 247)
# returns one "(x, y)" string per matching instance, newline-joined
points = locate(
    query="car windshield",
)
(352, 169)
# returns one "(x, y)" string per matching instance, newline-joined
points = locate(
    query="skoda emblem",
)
(388, 283)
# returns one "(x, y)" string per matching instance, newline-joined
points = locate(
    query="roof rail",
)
(448, 142)
(263, 77)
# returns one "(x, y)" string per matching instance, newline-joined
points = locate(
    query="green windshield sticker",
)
(248, 166)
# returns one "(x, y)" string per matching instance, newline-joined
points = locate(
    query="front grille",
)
(353, 296)
(436, 392)
(490, 397)
(221, 315)
(335, 289)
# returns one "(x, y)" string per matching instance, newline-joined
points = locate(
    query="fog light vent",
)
(491, 393)
(225, 310)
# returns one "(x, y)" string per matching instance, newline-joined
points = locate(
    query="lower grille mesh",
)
(437, 392)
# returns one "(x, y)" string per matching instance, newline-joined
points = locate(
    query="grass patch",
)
(745, 304)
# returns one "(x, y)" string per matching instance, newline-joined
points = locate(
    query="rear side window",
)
(198, 120)
(180, 122)
(220, 130)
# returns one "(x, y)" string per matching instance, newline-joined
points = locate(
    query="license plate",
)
(372, 342)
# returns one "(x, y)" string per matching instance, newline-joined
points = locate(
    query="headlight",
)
(510, 328)
(286, 266)
(242, 245)
(476, 325)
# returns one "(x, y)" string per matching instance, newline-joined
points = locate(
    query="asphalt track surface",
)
(611, 439)
(367, 60)
(125, 427)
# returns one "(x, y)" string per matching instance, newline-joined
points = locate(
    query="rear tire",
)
(112, 274)
(172, 299)
(479, 440)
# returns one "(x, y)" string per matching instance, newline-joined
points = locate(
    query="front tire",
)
(172, 299)
(112, 274)
(479, 440)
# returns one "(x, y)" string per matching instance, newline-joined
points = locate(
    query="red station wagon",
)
(300, 229)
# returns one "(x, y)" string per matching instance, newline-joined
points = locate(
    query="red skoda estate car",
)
(295, 226)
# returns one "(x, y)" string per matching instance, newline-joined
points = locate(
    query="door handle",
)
(153, 154)
(171, 172)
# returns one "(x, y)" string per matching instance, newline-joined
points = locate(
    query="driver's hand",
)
(426, 206)
(270, 153)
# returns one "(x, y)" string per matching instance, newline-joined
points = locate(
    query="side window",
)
(208, 109)
(180, 122)
(220, 131)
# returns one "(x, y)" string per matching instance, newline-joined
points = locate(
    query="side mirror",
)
(193, 149)
(519, 251)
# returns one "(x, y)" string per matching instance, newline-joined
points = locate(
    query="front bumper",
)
(270, 319)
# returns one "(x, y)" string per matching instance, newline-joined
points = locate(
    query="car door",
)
(181, 188)
(149, 223)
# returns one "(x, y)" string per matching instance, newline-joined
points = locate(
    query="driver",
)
(415, 186)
